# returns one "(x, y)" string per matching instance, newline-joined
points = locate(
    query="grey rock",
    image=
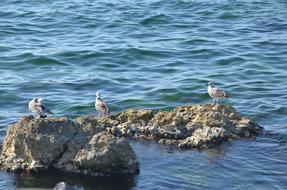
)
(38, 144)
(195, 126)
(94, 145)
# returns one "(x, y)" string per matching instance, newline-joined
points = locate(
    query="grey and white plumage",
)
(37, 106)
(100, 105)
(216, 93)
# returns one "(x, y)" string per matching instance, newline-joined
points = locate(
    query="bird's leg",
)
(95, 113)
(213, 101)
(217, 101)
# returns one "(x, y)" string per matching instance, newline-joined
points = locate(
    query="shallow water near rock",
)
(153, 54)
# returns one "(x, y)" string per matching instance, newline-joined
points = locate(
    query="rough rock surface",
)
(197, 126)
(102, 155)
(38, 144)
(94, 146)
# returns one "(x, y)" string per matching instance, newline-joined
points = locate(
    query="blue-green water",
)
(154, 54)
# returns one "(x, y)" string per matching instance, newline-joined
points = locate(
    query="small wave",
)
(230, 60)
(138, 52)
(199, 41)
(26, 60)
(156, 19)
(228, 16)
(46, 61)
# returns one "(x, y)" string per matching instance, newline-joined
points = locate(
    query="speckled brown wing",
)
(46, 110)
(104, 108)
(219, 93)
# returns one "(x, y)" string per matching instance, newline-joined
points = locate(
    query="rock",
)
(130, 123)
(168, 125)
(33, 144)
(93, 146)
(90, 125)
(196, 126)
(59, 143)
(205, 137)
(135, 116)
(103, 155)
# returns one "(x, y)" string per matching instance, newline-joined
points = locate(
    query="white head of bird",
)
(210, 84)
(36, 100)
(98, 94)
(40, 100)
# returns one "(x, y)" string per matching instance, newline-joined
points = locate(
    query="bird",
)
(216, 93)
(101, 106)
(37, 106)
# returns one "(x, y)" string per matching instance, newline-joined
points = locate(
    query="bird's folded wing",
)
(220, 93)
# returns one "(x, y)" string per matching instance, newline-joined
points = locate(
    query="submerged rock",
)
(63, 186)
(38, 144)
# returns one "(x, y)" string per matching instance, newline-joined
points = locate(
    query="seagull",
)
(216, 93)
(37, 106)
(101, 106)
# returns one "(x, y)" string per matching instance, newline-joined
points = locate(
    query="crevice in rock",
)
(65, 148)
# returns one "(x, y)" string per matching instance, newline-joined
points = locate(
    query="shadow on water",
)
(49, 179)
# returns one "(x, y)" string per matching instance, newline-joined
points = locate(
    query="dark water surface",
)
(154, 54)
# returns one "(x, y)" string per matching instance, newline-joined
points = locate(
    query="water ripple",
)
(153, 54)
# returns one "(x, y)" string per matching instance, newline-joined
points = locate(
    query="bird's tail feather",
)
(49, 112)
